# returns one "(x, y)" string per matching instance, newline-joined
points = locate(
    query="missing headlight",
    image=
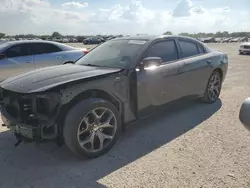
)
(47, 104)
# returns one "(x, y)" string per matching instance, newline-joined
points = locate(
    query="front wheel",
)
(91, 127)
(213, 88)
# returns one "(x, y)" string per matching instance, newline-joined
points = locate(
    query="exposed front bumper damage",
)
(30, 117)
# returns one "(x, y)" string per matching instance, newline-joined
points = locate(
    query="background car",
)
(91, 40)
(118, 82)
(244, 115)
(21, 56)
(244, 48)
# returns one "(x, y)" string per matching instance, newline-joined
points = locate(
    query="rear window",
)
(44, 48)
(166, 50)
(188, 49)
(201, 49)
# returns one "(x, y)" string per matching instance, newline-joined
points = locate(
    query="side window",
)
(51, 48)
(201, 49)
(17, 51)
(166, 50)
(188, 49)
(43, 48)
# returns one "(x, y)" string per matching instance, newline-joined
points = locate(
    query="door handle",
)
(209, 61)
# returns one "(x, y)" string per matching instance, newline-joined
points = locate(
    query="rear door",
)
(159, 85)
(18, 60)
(46, 54)
(197, 67)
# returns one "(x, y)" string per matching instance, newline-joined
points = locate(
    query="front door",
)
(46, 54)
(158, 85)
(18, 60)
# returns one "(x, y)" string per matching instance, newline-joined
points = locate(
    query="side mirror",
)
(150, 61)
(2, 56)
(244, 115)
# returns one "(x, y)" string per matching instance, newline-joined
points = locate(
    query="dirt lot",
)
(201, 146)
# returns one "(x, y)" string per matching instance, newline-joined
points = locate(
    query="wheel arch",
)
(219, 70)
(91, 93)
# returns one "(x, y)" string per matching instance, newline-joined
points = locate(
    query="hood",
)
(246, 44)
(49, 77)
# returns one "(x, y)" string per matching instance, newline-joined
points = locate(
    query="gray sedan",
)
(22, 56)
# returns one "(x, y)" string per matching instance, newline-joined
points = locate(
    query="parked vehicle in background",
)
(244, 48)
(244, 114)
(86, 104)
(65, 40)
(21, 56)
(244, 39)
(91, 40)
(57, 39)
(209, 40)
(102, 39)
(226, 40)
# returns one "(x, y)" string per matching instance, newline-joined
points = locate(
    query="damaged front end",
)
(31, 117)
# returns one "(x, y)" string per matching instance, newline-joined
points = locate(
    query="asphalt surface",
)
(193, 145)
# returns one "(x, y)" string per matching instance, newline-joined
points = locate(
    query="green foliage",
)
(168, 33)
(2, 35)
(56, 35)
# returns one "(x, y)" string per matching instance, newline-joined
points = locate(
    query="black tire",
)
(73, 120)
(207, 98)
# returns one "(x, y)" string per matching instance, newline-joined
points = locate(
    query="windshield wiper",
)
(92, 65)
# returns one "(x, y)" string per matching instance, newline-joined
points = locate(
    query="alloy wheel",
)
(214, 87)
(97, 129)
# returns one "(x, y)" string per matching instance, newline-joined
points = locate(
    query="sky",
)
(123, 16)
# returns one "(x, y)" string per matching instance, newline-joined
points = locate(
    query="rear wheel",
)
(92, 127)
(213, 89)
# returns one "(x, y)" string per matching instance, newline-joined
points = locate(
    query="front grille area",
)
(18, 107)
(246, 47)
(30, 109)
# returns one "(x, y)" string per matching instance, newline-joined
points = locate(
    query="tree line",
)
(44, 37)
(195, 35)
(218, 34)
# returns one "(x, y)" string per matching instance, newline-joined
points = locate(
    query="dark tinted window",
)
(201, 49)
(165, 50)
(188, 48)
(43, 48)
(18, 51)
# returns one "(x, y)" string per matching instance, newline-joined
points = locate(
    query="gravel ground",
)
(201, 146)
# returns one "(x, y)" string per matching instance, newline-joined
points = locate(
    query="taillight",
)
(85, 51)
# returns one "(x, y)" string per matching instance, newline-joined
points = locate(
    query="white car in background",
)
(21, 56)
(244, 48)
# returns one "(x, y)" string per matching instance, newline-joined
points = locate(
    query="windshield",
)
(113, 54)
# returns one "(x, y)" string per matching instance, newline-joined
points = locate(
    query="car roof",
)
(246, 43)
(30, 41)
(154, 37)
(64, 47)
